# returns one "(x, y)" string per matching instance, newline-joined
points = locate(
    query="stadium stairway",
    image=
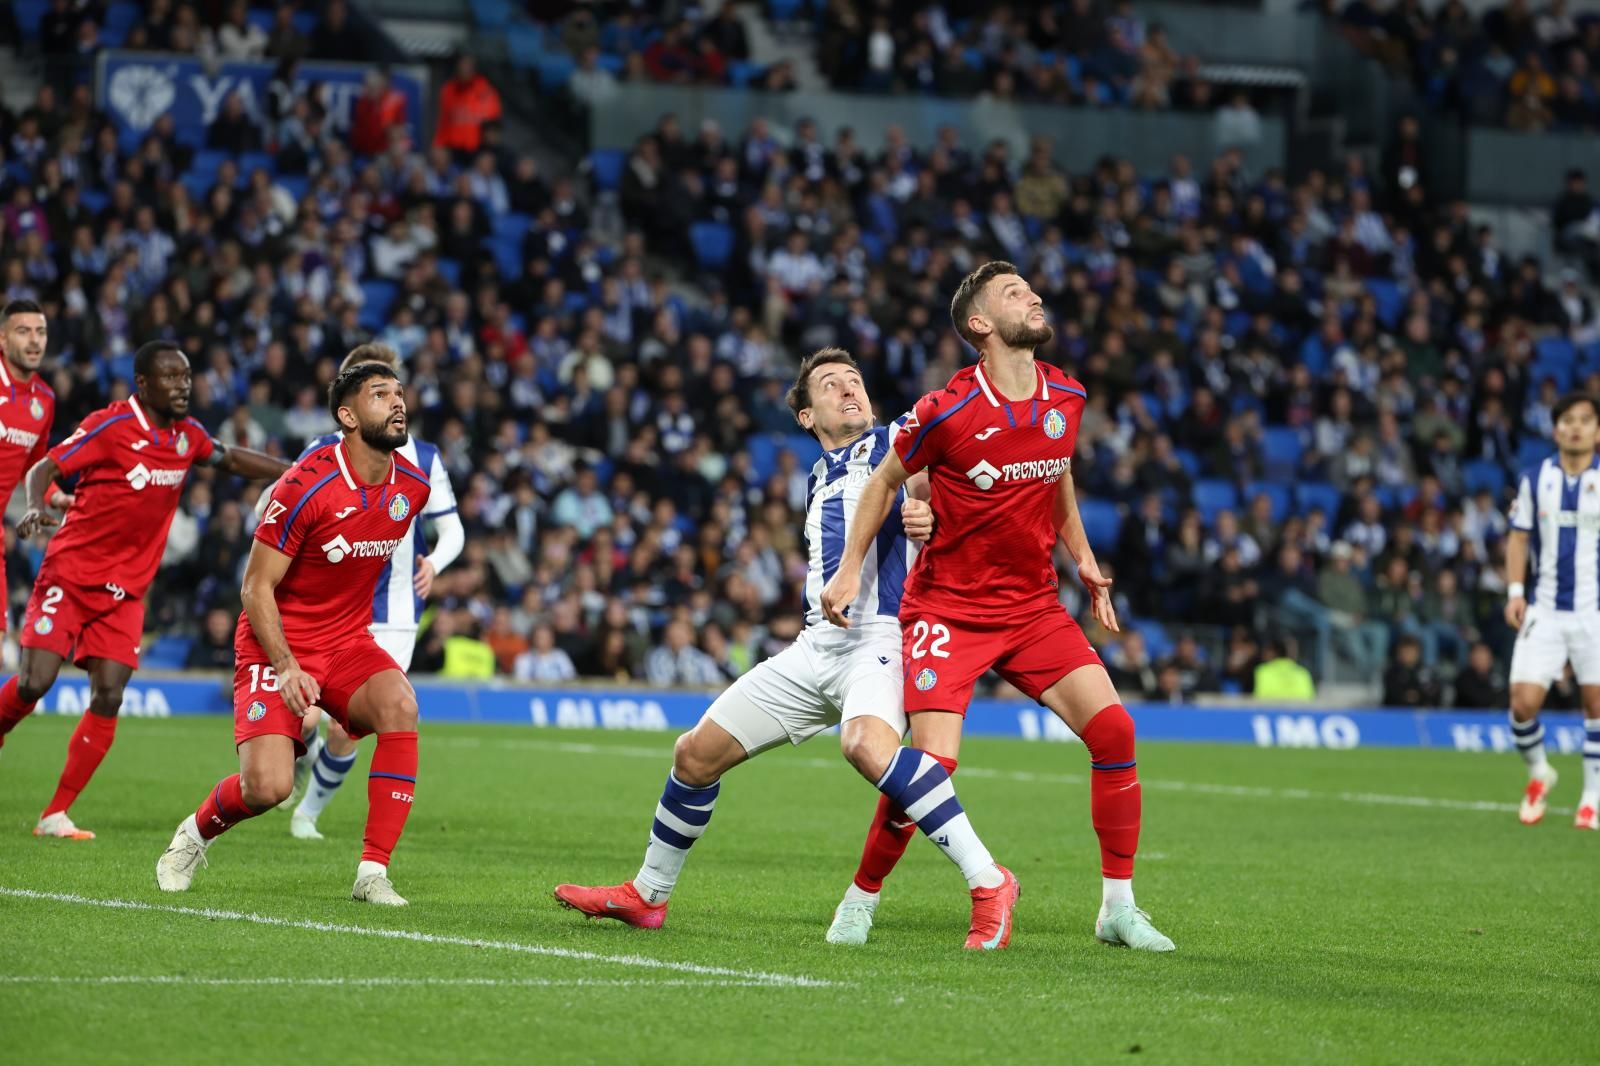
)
(19, 80)
(767, 47)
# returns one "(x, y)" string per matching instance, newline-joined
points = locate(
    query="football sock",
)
(682, 815)
(89, 744)
(312, 740)
(1114, 793)
(1529, 738)
(887, 838)
(917, 784)
(327, 774)
(223, 809)
(12, 709)
(391, 786)
(856, 894)
(1115, 890)
(1591, 758)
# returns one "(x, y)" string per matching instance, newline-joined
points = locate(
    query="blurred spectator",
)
(466, 101)
(1407, 682)
(1482, 682)
(379, 109)
(544, 662)
(1278, 678)
(676, 661)
(214, 649)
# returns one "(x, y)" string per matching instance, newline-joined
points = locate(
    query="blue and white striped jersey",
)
(831, 495)
(395, 601)
(1561, 515)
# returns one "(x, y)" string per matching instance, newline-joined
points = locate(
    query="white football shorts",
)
(825, 677)
(1549, 640)
(398, 641)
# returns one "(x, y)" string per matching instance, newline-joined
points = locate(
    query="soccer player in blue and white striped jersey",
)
(396, 610)
(831, 675)
(1556, 520)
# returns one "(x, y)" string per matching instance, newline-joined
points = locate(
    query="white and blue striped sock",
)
(1529, 739)
(918, 785)
(327, 774)
(1591, 760)
(682, 815)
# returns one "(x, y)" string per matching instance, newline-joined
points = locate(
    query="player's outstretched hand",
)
(423, 582)
(916, 516)
(838, 595)
(1099, 588)
(1516, 609)
(300, 690)
(36, 521)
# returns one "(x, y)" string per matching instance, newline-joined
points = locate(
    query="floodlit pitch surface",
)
(1328, 906)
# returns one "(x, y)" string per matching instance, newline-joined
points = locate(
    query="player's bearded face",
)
(1024, 328)
(24, 340)
(386, 433)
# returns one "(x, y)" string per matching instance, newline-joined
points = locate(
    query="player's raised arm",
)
(247, 462)
(1070, 531)
(262, 573)
(877, 497)
(35, 486)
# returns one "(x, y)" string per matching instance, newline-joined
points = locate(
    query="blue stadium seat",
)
(1101, 522)
(763, 451)
(1156, 640)
(507, 257)
(120, 19)
(492, 15)
(1555, 349)
(1481, 474)
(805, 448)
(1318, 496)
(261, 18)
(555, 70)
(380, 297)
(30, 14)
(1281, 447)
(1275, 491)
(741, 73)
(296, 185)
(1394, 497)
(305, 22)
(608, 164)
(873, 245)
(250, 162)
(1533, 450)
(167, 653)
(1560, 373)
(1189, 460)
(208, 161)
(713, 244)
(1212, 495)
(783, 10)
(525, 45)
(1389, 298)
(510, 226)
(94, 200)
(450, 270)
(611, 63)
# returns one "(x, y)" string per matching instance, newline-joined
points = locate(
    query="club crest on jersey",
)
(399, 507)
(183, 442)
(862, 450)
(257, 711)
(926, 679)
(1055, 425)
(44, 625)
(35, 408)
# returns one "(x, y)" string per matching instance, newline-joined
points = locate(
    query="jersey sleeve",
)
(441, 494)
(915, 440)
(292, 509)
(204, 446)
(89, 444)
(1522, 509)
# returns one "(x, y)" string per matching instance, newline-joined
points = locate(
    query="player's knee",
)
(33, 683)
(693, 763)
(106, 702)
(1110, 732)
(869, 750)
(399, 715)
(264, 787)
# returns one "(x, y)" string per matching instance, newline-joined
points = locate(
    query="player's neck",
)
(157, 419)
(1576, 463)
(18, 375)
(1012, 372)
(831, 443)
(368, 464)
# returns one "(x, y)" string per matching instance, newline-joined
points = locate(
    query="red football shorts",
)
(944, 657)
(83, 622)
(258, 706)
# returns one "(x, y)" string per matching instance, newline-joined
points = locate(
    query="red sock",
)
(887, 838)
(391, 784)
(89, 744)
(223, 809)
(1114, 793)
(12, 709)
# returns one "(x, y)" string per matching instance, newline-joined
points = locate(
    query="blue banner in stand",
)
(154, 696)
(136, 88)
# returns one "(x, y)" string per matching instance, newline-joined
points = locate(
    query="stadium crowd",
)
(1531, 68)
(1306, 400)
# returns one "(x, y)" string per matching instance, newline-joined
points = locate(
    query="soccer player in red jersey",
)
(329, 528)
(27, 405)
(131, 459)
(998, 442)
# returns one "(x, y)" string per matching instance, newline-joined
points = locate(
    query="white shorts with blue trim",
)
(1550, 639)
(825, 677)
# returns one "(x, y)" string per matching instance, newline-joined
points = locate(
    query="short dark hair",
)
(349, 382)
(145, 357)
(799, 395)
(968, 291)
(1571, 400)
(371, 353)
(19, 307)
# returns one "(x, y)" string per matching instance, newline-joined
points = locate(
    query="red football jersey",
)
(993, 468)
(26, 412)
(131, 477)
(340, 534)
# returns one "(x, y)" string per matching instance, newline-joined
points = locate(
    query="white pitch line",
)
(1377, 799)
(374, 982)
(639, 961)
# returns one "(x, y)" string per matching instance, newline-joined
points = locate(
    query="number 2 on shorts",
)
(921, 632)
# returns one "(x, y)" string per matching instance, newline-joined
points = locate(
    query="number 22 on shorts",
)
(920, 644)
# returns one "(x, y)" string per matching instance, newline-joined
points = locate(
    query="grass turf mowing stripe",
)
(378, 982)
(1378, 799)
(779, 980)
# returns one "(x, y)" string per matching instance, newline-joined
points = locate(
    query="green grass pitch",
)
(1328, 906)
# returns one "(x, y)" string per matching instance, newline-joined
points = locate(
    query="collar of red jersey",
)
(138, 412)
(994, 398)
(340, 453)
(5, 377)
